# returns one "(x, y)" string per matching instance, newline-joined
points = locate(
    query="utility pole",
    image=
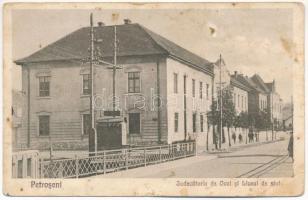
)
(220, 91)
(292, 112)
(92, 114)
(114, 70)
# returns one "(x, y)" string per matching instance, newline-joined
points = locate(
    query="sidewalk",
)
(225, 149)
(156, 168)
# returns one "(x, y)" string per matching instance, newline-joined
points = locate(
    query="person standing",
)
(240, 138)
(290, 146)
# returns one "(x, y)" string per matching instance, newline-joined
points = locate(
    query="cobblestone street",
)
(262, 160)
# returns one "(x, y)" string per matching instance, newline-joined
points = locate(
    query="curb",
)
(232, 149)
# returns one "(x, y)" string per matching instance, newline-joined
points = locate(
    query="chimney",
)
(127, 21)
(235, 73)
(100, 24)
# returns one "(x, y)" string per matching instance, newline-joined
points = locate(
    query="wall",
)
(263, 105)
(194, 104)
(240, 100)
(143, 102)
(66, 103)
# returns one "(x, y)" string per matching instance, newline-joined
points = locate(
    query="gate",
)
(109, 135)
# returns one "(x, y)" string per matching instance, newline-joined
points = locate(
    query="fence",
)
(25, 164)
(114, 160)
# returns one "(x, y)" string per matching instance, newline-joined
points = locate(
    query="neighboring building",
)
(275, 104)
(57, 87)
(257, 97)
(287, 116)
(17, 100)
(240, 95)
(263, 97)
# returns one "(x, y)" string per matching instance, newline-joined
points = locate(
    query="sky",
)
(249, 40)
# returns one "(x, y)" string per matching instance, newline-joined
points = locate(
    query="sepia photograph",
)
(183, 99)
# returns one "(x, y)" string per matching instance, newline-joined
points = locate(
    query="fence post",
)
(77, 166)
(195, 147)
(145, 156)
(126, 158)
(159, 153)
(40, 168)
(104, 161)
(185, 149)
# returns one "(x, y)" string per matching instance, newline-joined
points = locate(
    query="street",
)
(263, 160)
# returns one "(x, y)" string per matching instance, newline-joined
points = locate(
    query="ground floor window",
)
(201, 123)
(44, 125)
(194, 122)
(176, 122)
(86, 123)
(134, 123)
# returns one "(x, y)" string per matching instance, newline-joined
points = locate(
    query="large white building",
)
(56, 83)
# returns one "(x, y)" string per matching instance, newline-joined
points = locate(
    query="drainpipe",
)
(213, 132)
(158, 104)
(28, 108)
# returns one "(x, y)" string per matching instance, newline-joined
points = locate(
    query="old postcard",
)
(153, 99)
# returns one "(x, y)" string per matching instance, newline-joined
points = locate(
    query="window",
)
(242, 102)
(44, 125)
(176, 122)
(134, 82)
(44, 86)
(207, 91)
(234, 100)
(29, 167)
(238, 100)
(245, 103)
(194, 122)
(134, 123)
(86, 84)
(175, 82)
(86, 124)
(201, 123)
(201, 90)
(193, 87)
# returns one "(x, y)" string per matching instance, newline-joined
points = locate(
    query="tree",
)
(228, 115)
(213, 119)
(244, 121)
(228, 111)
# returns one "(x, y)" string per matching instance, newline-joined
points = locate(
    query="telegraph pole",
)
(114, 70)
(220, 91)
(292, 112)
(92, 114)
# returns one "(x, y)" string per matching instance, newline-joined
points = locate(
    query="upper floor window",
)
(86, 84)
(234, 100)
(175, 82)
(201, 88)
(207, 91)
(44, 86)
(193, 87)
(133, 82)
(238, 100)
(44, 125)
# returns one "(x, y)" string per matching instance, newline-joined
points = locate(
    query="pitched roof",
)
(247, 82)
(238, 83)
(260, 83)
(134, 40)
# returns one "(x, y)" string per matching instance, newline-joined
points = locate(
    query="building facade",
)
(162, 91)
